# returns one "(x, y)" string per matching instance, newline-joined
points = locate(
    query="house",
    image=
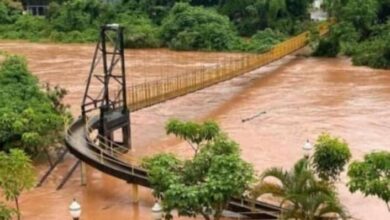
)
(317, 12)
(36, 7)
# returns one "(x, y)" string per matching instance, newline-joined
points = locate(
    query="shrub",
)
(9, 12)
(140, 32)
(30, 27)
(191, 28)
(327, 47)
(263, 41)
(29, 118)
(330, 156)
(374, 53)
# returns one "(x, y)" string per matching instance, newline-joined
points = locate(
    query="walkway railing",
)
(153, 92)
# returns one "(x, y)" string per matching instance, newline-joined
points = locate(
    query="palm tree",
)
(303, 196)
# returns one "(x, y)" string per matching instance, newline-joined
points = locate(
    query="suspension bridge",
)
(91, 137)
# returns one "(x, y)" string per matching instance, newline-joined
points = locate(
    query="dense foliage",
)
(301, 193)
(31, 118)
(16, 175)
(330, 156)
(204, 184)
(362, 32)
(189, 28)
(371, 176)
(182, 25)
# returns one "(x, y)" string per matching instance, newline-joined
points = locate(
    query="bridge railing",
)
(153, 92)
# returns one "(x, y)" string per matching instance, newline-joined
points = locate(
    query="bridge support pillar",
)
(135, 193)
(83, 174)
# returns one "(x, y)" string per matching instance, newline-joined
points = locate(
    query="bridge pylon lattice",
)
(108, 75)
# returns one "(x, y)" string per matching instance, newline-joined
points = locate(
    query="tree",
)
(191, 28)
(302, 195)
(362, 14)
(205, 184)
(16, 175)
(195, 134)
(331, 154)
(31, 117)
(371, 176)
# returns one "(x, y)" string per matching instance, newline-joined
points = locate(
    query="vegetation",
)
(16, 175)
(189, 28)
(362, 32)
(205, 184)
(371, 176)
(330, 156)
(302, 194)
(31, 118)
(5, 212)
(182, 25)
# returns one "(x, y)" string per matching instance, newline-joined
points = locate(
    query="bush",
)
(330, 156)
(192, 28)
(30, 27)
(140, 32)
(9, 13)
(263, 41)
(327, 47)
(374, 53)
(29, 119)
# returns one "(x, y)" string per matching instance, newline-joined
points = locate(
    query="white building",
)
(317, 13)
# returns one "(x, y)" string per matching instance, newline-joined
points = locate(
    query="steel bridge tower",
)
(108, 75)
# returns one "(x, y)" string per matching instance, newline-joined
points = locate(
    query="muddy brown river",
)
(302, 98)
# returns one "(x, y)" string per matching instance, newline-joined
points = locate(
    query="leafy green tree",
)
(9, 11)
(331, 154)
(16, 175)
(195, 134)
(140, 32)
(190, 28)
(299, 8)
(371, 176)
(302, 195)
(362, 14)
(30, 117)
(205, 184)
(362, 32)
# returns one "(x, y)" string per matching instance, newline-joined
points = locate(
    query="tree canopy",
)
(362, 32)
(371, 176)
(182, 25)
(205, 184)
(331, 154)
(31, 117)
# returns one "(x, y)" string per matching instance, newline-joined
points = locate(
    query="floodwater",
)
(69, 64)
(302, 98)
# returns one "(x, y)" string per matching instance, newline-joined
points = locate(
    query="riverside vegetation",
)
(362, 30)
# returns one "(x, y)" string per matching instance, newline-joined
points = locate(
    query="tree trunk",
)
(48, 158)
(205, 216)
(218, 214)
(17, 207)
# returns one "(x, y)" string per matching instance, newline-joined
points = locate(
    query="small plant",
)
(303, 196)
